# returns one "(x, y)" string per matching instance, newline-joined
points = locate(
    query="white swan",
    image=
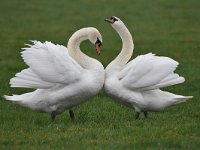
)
(136, 84)
(63, 77)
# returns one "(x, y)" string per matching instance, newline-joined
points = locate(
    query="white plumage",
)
(148, 72)
(49, 64)
(63, 78)
(137, 83)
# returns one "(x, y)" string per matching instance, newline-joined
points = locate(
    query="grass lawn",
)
(170, 28)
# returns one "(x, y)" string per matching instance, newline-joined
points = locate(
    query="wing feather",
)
(148, 72)
(49, 64)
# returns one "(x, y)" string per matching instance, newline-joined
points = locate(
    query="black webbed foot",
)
(71, 114)
(145, 114)
(137, 115)
(53, 115)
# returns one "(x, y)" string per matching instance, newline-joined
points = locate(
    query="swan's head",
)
(96, 38)
(115, 22)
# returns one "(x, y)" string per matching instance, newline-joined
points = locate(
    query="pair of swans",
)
(66, 77)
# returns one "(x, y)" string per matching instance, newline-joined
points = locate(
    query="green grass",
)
(170, 28)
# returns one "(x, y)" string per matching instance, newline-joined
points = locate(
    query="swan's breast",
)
(115, 89)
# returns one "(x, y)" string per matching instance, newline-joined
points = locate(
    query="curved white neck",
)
(127, 45)
(74, 48)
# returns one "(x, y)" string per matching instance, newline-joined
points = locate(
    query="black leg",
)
(53, 115)
(137, 115)
(71, 114)
(145, 114)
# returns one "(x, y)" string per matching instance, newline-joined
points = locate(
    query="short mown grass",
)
(170, 28)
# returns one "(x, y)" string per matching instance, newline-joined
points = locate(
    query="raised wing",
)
(148, 72)
(49, 64)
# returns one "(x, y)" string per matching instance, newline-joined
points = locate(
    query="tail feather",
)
(25, 100)
(181, 99)
(23, 97)
(10, 98)
(18, 98)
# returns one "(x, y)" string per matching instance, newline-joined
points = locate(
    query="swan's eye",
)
(114, 19)
(98, 41)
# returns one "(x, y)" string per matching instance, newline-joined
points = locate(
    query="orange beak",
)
(97, 46)
(109, 20)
